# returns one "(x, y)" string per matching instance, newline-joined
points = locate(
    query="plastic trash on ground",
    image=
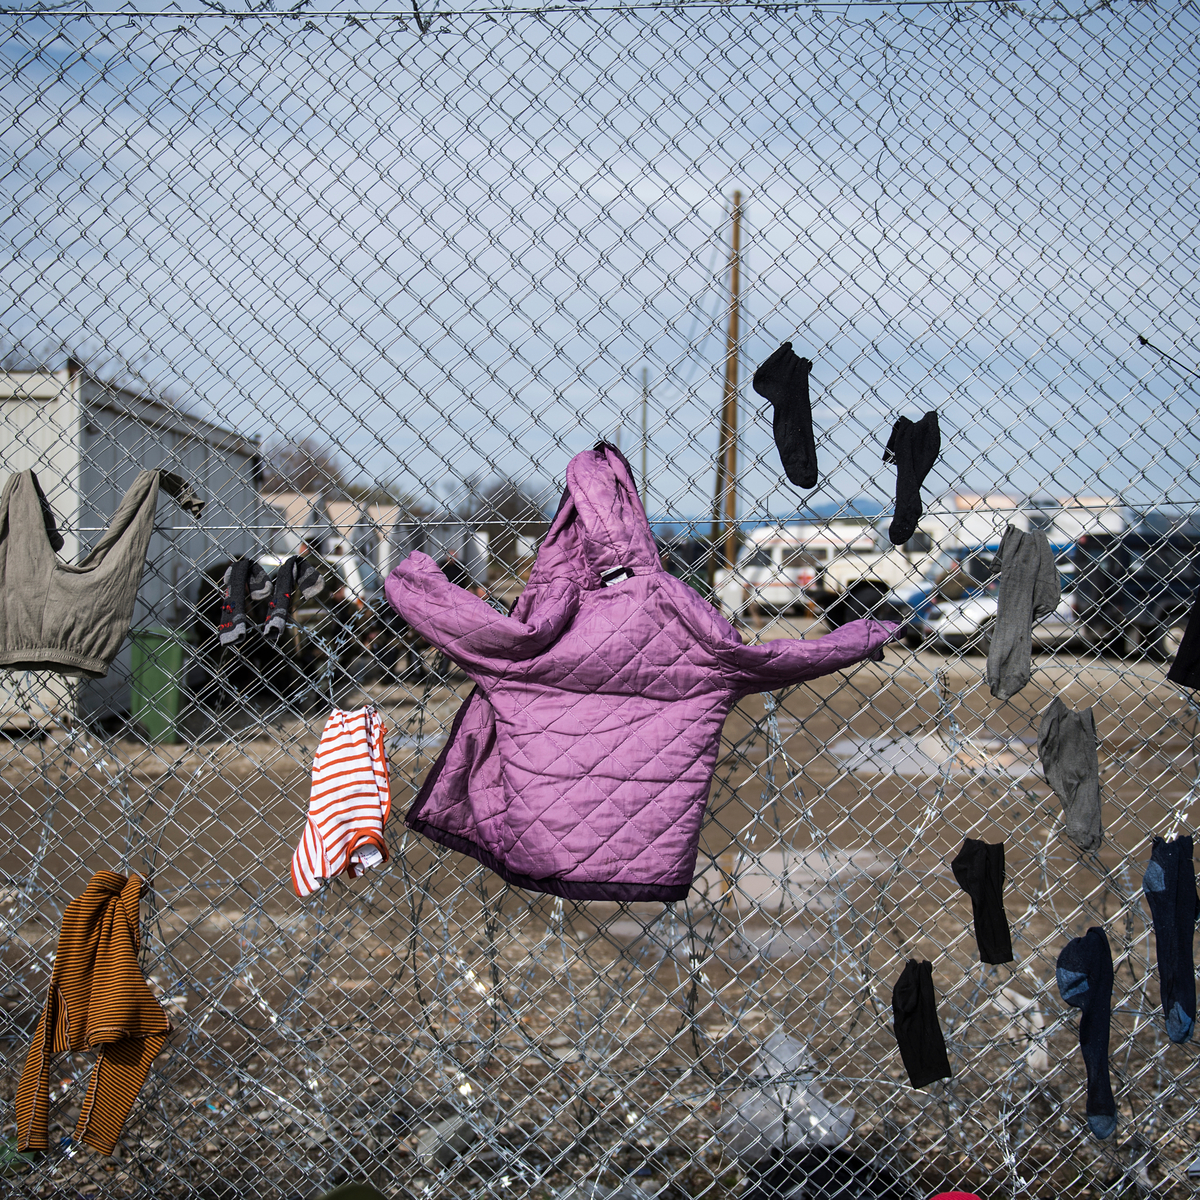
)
(783, 1109)
(439, 1145)
(588, 1190)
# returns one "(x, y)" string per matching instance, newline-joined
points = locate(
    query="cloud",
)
(455, 254)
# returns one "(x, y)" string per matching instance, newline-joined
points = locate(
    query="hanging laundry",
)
(73, 619)
(1029, 591)
(1071, 764)
(1170, 887)
(244, 578)
(979, 869)
(349, 803)
(1185, 666)
(98, 1000)
(913, 447)
(1085, 980)
(55, 538)
(915, 1024)
(296, 577)
(580, 765)
(783, 379)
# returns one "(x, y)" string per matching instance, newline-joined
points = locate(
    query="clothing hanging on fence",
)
(915, 1024)
(296, 577)
(244, 580)
(98, 1000)
(1170, 888)
(349, 803)
(581, 763)
(913, 447)
(1029, 591)
(1084, 972)
(1067, 749)
(1185, 666)
(58, 617)
(979, 869)
(783, 379)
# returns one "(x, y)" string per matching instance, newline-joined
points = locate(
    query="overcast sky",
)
(453, 254)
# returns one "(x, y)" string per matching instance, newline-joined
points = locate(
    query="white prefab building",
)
(87, 440)
(980, 521)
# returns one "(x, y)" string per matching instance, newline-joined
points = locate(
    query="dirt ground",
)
(318, 1041)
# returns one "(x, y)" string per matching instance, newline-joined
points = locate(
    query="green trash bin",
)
(159, 655)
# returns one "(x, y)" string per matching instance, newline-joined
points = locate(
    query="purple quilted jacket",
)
(581, 764)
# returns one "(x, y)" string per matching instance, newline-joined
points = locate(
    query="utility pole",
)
(645, 430)
(723, 537)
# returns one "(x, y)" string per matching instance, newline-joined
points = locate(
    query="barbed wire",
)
(435, 268)
(425, 18)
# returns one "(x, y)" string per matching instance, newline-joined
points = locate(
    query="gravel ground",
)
(322, 1041)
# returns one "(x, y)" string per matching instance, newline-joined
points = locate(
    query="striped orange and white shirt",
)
(349, 804)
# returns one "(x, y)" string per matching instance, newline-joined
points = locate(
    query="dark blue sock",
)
(1170, 887)
(1085, 979)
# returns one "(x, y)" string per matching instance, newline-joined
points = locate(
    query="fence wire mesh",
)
(370, 279)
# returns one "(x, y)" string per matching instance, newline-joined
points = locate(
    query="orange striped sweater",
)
(98, 999)
(349, 803)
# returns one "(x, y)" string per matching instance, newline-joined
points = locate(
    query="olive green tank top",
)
(58, 617)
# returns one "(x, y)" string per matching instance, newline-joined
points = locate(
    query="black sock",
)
(979, 869)
(914, 1013)
(783, 379)
(1170, 887)
(1185, 667)
(243, 578)
(913, 447)
(1085, 980)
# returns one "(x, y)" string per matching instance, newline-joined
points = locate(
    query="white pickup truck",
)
(838, 569)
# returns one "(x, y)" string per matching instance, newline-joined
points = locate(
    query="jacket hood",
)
(600, 525)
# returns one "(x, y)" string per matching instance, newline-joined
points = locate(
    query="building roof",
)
(294, 509)
(99, 395)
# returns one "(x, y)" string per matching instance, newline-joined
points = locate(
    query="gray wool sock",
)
(1067, 748)
(1029, 590)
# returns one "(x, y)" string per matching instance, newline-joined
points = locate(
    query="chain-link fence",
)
(369, 280)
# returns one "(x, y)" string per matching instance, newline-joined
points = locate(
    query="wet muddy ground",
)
(317, 1040)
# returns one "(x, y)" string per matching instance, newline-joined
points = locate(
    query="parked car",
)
(1135, 588)
(951, 577)
(686, 558)
(773, 572)
(965, 624)
(857, 580)
(842, 569)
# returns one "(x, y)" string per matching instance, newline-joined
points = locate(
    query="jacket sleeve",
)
(786, 661)
(468, 629)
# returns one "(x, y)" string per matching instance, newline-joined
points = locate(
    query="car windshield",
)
(757, 558)
(978, 567)
(1161, 561)
(939, 567)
